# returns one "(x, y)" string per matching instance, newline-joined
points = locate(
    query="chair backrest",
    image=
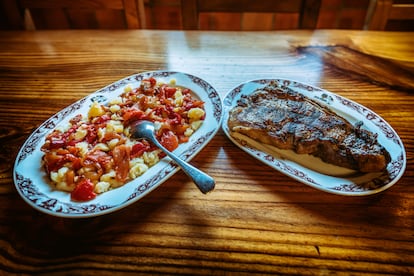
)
(82, 14)
(308, 10)
(391, 15)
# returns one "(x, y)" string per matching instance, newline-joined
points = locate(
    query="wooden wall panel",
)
(254, 21)
(344, 14)
(166, 14)
(283, 21)
(220, 21)
(51, 18)
(163, 14)
(70, 14)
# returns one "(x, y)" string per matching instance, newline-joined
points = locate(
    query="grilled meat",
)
(288, 120)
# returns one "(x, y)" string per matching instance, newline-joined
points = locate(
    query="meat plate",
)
(311, 170)
(32, 182)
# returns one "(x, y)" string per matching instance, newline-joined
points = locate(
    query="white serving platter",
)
(32, 182)
(310, 170)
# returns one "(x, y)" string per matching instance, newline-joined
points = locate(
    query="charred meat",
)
(288, 120)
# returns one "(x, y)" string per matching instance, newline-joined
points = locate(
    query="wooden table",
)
(257, 220)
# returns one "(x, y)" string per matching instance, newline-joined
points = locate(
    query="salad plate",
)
(311, 170)
(33, 184)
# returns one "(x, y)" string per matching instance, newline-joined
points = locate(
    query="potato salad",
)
(95, 153)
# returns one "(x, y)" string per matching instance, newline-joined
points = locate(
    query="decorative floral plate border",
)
(32, 183)
(357, 184)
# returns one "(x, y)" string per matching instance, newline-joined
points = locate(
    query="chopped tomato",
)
(166, 126)
(169, 140)
(147, 86)
(111, 135)
(139, 148)
(179, 129)
(132, 115)
(167, 102)
(193, 104)
(152, 81)
(160, 111)
(183, 139)
(56, 143)
(121, 155)
(101, 120)
(92, 135)
(167, 92)
(76, 119)
(143, 103)
(174, 118)
(76, 161)
(83, 191)
(72, 150)
(54, 162)
(170, 91)
(98, 157)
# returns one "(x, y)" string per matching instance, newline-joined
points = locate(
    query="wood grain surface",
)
(257, 220)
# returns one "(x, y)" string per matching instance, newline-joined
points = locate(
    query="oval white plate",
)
(32, 182)
(310, 170)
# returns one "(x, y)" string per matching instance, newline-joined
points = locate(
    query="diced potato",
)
(196, 124)
(112, 144)
(59, 178)
(80, 133)
(63, 186)
(179, 98)
(95, 110)
(157, 125)
(151, 158)
(117, 100)
(114, 126)
(188, 132)
(114, 108)
(127, 88)
(116, 117)
(63, 128)
(60, 175)
(135, 161)
(102, 187)
(101, 133)
(195, 114)
(102, 147)
(54, 176)
(82, 147)
(137, 170)
(110, 178)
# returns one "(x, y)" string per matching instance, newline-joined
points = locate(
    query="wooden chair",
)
(81, 14)
(308, 10)
(391, 15)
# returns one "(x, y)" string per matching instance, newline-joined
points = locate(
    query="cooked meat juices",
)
(288, 120)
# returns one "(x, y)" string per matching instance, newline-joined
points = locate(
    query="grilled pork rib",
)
(288, 120)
